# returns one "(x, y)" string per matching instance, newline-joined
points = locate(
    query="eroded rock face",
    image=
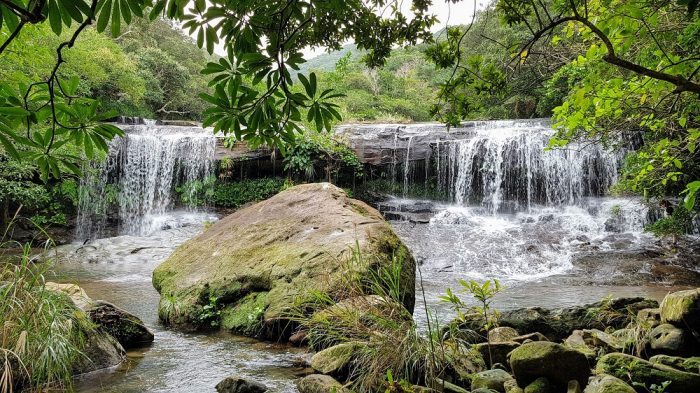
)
(250, 269)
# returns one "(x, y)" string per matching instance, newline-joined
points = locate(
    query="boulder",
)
(128, 329)
(319, 383)
(627, 366)
(649, 316)
(461, 362)
(691, 364)
(491, 379)
(498, 352)
(573, 387)
(337, 359)
(556, 362)
(682, 309)
(604, 383)
(540, 385)
(592, 342)
(511, 386)
(557, 324)
(530, 337)
(670, 340)
(239, 385)
(484, 390)
(250, 270)
(502, 334)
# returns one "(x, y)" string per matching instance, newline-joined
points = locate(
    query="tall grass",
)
(41, 331)
(372, 314)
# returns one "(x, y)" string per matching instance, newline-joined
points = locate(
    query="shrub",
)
(237, 194)
(680, 222)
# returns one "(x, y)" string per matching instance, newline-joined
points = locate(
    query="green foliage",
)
(680, 222)
(237, 194)
(322, 150)
(210, 313)
(197, 192)
(43, 335)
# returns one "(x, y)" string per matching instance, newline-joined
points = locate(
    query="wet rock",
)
(299, 338)
(682, 309)
(319, 383)
(536, 359)
(604, 383)
(128, 329)
(573, 387)
(530, 337)
(649, 316)
(691, 364)
(336, 359)
(491, 379)
(258, 263)
(540, 385)
(498, 351)
(627, 366)
(557, 324)
(100, 351)
(670, 340)
(502, 334)
(240, 385)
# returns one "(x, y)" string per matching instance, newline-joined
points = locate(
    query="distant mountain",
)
(327, 61)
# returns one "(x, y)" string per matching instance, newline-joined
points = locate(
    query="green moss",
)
(628, 367)
(246, 316)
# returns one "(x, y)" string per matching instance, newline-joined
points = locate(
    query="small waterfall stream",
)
(140, 175)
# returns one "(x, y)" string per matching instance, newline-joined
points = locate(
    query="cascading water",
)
(140, 174)
(507, 162)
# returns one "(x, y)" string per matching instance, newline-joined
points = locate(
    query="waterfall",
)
(407, 166)
(507, 162)
(139, 177)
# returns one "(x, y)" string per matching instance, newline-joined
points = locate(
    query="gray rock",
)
(318, 383)
(502, 334)
(540, 385)
(499, 351)
(511, 386)
(491, 379)
(101, 351)
(669, 340)
(336, 359)
(649, 316)
(240, 385)
(691, 364)
(639, 370)
(682, 309)
(128, 329)
(556, 362)
(604, 383)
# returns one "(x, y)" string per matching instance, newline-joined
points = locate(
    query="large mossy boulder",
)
(639, 370)
(318, 383)
(249, 271)
(682, 309)
(557, 363)
(604, 383)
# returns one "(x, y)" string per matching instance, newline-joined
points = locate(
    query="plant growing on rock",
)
(483, 293)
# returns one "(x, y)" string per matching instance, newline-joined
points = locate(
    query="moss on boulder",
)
(556, 362)
(639, 370)
(295, 243)
(682, 309)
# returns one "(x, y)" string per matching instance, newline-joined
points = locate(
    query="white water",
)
(507, 162)
(140, 175)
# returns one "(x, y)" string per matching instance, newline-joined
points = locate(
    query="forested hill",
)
(152, 69)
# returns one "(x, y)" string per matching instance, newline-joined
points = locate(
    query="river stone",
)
(335, 360)
(530, 337)
(502, 334)
(604, 383)
(461, 361)
(649, 316)
(128, 329)
(239, 385)
(682, 309)
(319, 383)
(499, 351)
(670, 340)
(557, 324)
(491, 379)
(540, 385)
(556, 362)
(627, 366)
(511, 386)
(691, 364)
(258, 264)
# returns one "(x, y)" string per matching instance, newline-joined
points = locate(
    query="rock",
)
(682, 309)
(448, 387)
(540, 385)
(484, 390)
(499, 351)
(669, 340)
(593, 341)
(556, 362)
(461, 362)
(511, 386)
(573, 387)
(691, 365)
(627, 366)
(335, 360)
(256, 265)
(557, 324)
(318, 383)
(530, 337)
(128, 329)
(649, 316)
(502, 334)
(299, 338)
(239, 385)
(491, 379)
(100, 351)
(604, 383)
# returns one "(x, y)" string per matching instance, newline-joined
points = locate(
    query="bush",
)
(237, 194)
(680, 222)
